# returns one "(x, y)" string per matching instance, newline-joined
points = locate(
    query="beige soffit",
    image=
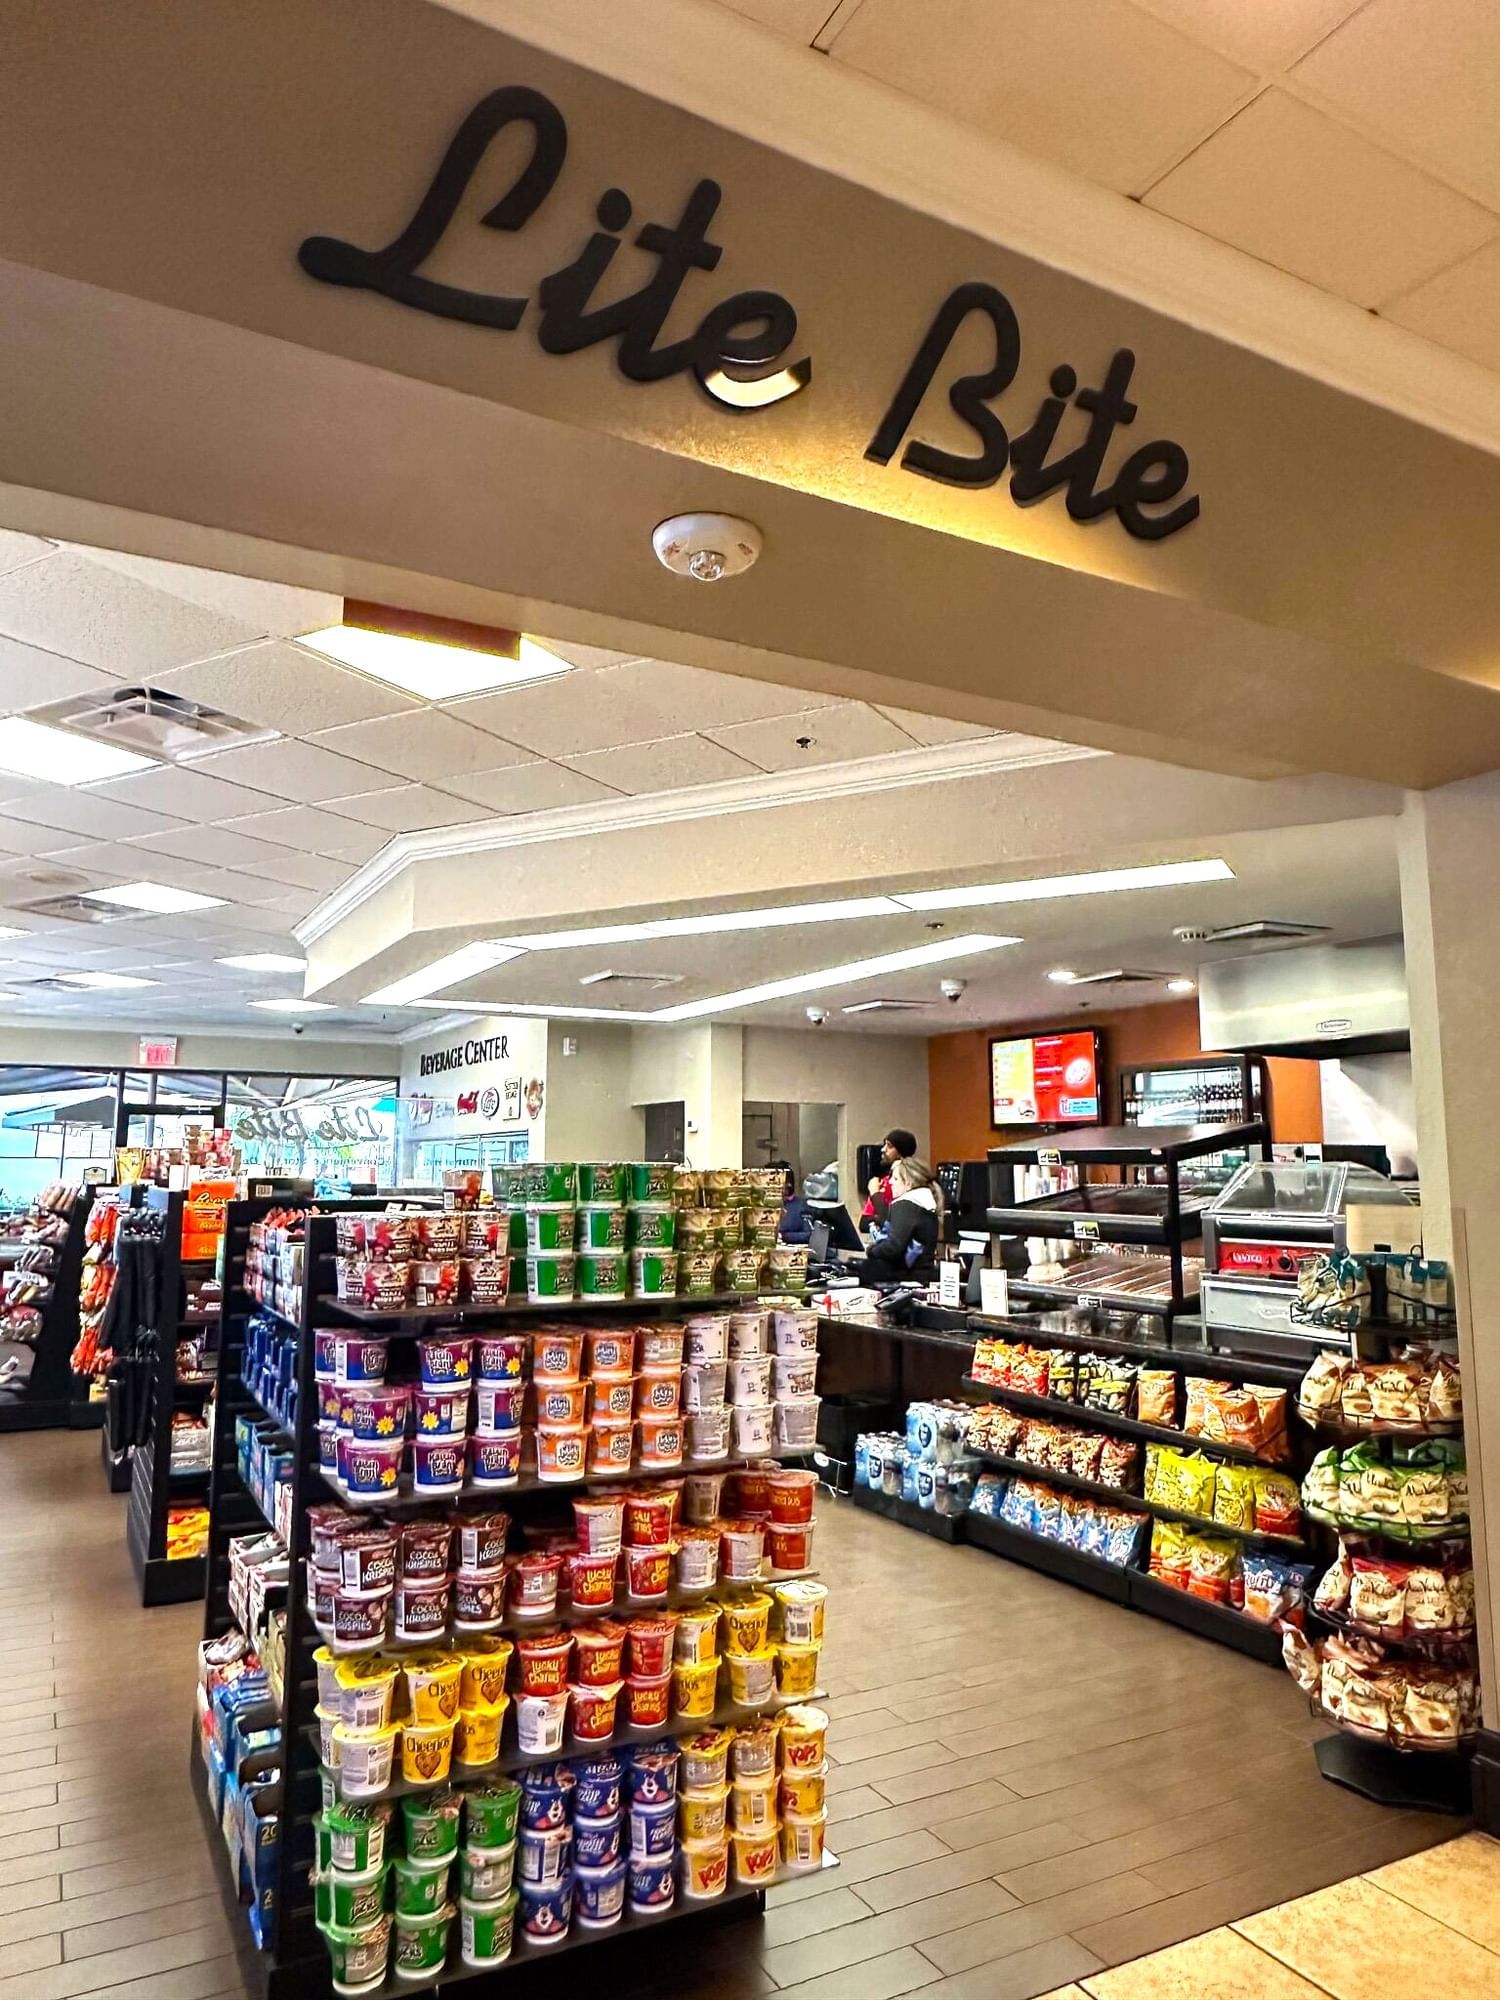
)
(978, 758)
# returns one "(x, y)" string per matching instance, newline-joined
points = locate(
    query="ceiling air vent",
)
(1119, 975)
(75, 910)
(885, 1007)
(649, 980)
(151, 722)
(1263, 929)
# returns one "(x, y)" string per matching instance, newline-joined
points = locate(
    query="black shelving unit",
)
(1151, 1212)
(154, 1488)
(295, 1964)
(926, 1520)
(1227, 1090)
(53, 1398)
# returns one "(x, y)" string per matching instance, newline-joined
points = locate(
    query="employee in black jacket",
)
(905, 1246)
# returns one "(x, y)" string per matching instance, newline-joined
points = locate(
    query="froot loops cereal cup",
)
(705, 1758)
(802, 1841)
(742, 1548)
(592, 1714)
(803, 1792)
(426, 1752)
(599, 1522)
(702, 1816)
(476, 1738)
(746, 1620)
(755, 1853)
(800, 1612)
(433, 1687)
(803, 1734)
(541, 1720)
(543, 1658)
(753, 1804)
(599, 1651)
(651, 1644)
(705, 1868)
(695, 1687)
(790, 1546)
(697, 1637)
(752, 1677)
(648, 1701)
(796, 1668)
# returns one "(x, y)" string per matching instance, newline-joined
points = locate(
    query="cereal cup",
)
(476, 1737)
(592, 1711)
(753, 1752)
(749, 1334)
(795, 1332)
(796, 1668)
(541, 1721)
(705, 1868)
(802, 1841)
(358, 1622)
(752, 1677)
(611, 1399)
(561, 1405)
(543, 1661)
(742, 1547)
(484, 1232)
(651, 1773)
(696, 1640)
(432, 1689)
(551, 1227)
(351, 1837)
(486, 1931)
(660, 1347)
(593, 1580)
(546, 1913)
(804, 1732)
(648, 1518)
(598, 1843)
(803, 1792)
(794, 1376)
(491, 1815)
(648, 1701)
(599, 1521)
(426, 1551)
(601, 1230)
(661, 1440)
(551, 1277)
(445, 1360)
(796, 1423)
(495, 1459)
(651, 1644)
(420, 1610)
(499, 1357)
(599, 1896)
(366, 1691)
(546, 1855)
(598, 1791)
(498, 1406)
(702, 1493)
(611, 1446)
(369, 1468)
(359, 1359)
(370, 1412)
(752, 1807)
(478, 1603)
(418, 1891)
(610, 1352)
(485, 1660)
(708, 1434)
(534, 1581)
(707, 1339)
(438, 1465)
(750, 1492)
(329, 1723)
(746, 1621)
(557, 1356)
(703, 1815)
(653, 1828)
(648, 1574)
(791, 1546)
(792, 1491)
(479, 1543)
(598, 1652)
(484, 1281)
(430, 1821)
(705, 1758)
(697, 1558)
(799, 1613)
(703, 1386)
(695, 1687)
(658, 1392)
(358, 1956)
(426, 1752)
(750, 1379)
(546, 1790)
(487, 1874)
(755, 1853)
(652, 1881)
(754, 1427)
(562, 1455)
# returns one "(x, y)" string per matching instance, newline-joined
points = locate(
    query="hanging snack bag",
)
(1322, 1388)
(1322, 1483)
(1430, 1605)
(1396, 1393)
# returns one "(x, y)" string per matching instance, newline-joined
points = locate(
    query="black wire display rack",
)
(294, 1964)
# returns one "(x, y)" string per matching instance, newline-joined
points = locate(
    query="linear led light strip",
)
(482, 956)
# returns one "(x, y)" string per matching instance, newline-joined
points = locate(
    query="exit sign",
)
(157, 1051)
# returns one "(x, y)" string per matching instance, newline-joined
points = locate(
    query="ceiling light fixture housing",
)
(157, 899)
(1041, 888)
(61, 757)
(433, 658)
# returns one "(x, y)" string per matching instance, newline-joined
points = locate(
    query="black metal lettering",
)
(969, 395)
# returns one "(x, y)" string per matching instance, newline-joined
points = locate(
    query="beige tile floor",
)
(1427, 1924)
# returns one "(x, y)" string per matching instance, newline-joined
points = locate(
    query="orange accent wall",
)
(958, 1075)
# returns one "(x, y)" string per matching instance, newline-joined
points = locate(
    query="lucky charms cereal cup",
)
(703, 1815)
(486, 1931)
(695, 1688)
(792, 1493)
(541, 1721)
(445, 1360)
(491, 1814)
(593, 1579)
(592, 1711)
(648, 1574)
(599, 1649)
(804, 1732)
(430, 1824)
(752, 1807)
(752, 1677)
(433, 1685)
(802, 1841)
(359, 1957)
(599, 1521)
(803, 1793)
(651, 1643)
(365, 1760)
(697, 1558)
(755, 1854)
(705, 1868)
(426, 1752)
(543, 1660)
(648, 1700)
(476, 1736)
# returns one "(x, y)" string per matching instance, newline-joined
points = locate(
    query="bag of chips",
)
(1234, 1496)
(1169, 1554)
(1332, 1594)
(1266, 1592)
(1113, 1388)
(1323, 1385)
(1212, 1564)
(1062, 1373)
(1192, 1478)
(1200, 1417)
(1396, 1393)
(1322, 1483)
(989, 1491)
(1278, 1505)
(1355, 1406)
(1445, 1396)
(1429, 1601)
(1156, 1397)
(1377, 1595)
(1430, 1711)
(1122, 1534)
(1118, 1458)
(1029, 1373)
(1301, 1661)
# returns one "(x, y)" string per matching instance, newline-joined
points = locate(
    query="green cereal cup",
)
(486, 1930)
(553, 1181)
(602, 1182)
(602, 1274)
(601, 1228)
(653, 1273)
(550, 1277)
(486, 1874)
(351, 1837)
(421, 1890)
(350, 1902)
(491, 1813)
(653, 1227)
(421, 1943)
(431, 1820)
(651, 1180)
(359, 1956)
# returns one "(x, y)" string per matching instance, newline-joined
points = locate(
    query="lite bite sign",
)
(741, 352)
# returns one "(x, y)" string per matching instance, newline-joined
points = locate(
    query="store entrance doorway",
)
(806, 1136)
(666, 1131)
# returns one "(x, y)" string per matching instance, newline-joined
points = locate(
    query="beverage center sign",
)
(492, 1080)
(742, 353)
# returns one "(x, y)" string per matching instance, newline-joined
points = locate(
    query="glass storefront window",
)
(54, 1123)
(318, 1128)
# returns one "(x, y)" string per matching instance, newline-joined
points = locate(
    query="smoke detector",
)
(706, 547)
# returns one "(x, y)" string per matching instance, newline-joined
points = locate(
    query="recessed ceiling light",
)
(1182, 986)
(436, 658)
(1041, 888)
(155, 897)
(10, 930)
(289, 1006)
(836, 975)
(104, 982)
(1060, 976)
(464, 963)
(59, 757)
(264, 961)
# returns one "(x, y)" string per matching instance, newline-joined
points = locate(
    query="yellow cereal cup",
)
(695, 1687)
(426, 1752)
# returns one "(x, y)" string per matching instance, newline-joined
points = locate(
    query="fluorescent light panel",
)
(104, 982)
(264, 961)
(289, 1006)
(10, 930)
(59, 756)
(430, 668)
(1182, 986)
(464, 963)
(1041, 888)
(837, 975)
(156, 898)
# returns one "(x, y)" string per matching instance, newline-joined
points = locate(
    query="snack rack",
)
(53, 1398)
(154, 1487)
(1152, 1213)
(294, 1964)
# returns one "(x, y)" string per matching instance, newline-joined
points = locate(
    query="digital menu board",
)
(1046, 1080)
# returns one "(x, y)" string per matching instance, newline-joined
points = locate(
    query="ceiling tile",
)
(429, 745)
(664, 766)
(837, 735)
(227, 847)
(27, 837)
(1297, 190)
(320, 832)
(801, 19)
(564, 718)
(525, 788)
(1266, 35)
(699, 699)
(282, 686)
(1459, 308)
(582, 656)
(230, 886)
(1095, 85)
(931, 729)
(30, 678)
(273, 609)
(1426, 77)
(188, 794)
(405, 809)
(71, 605)
(105, 858)
(85, 814)
(301, 772)
(18, 549)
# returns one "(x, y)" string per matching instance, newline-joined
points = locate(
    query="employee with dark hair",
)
(905, 1245)
(899, 1144)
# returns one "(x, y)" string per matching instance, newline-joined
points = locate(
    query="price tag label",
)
(1088, 1303)
(950, 1284)
(1048, 1156)
(1085, 1229)
(994, 1293)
